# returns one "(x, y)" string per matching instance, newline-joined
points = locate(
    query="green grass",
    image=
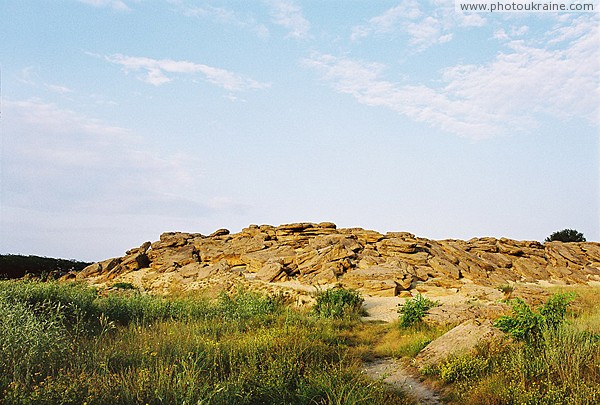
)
(65, 344)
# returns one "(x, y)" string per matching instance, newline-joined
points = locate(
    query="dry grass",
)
(371, 340)
(585, 310)
(562, 366)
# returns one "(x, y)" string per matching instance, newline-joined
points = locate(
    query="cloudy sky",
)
(123, 119)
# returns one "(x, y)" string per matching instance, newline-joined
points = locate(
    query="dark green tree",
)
(566, 235)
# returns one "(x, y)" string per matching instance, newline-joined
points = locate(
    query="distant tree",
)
(16, 266)
(566, 235)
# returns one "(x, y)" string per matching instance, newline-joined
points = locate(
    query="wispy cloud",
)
(31, 77)
(364, 82)
(502, 96)
(388, 21)
(114, 4)
(289, 15)
(424, 28)
(74, 185)
(160, 71)
(222, 15)
(57, 160)
(57, 88)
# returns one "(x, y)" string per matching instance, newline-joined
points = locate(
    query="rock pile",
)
(374, 263)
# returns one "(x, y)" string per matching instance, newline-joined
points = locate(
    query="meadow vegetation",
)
(66, 343)
(551, 356)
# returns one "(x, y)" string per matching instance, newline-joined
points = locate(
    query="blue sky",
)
(123, 119)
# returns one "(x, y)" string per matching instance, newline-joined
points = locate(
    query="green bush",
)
(527, 325)
(338, 303)
(462, 368)
(566, 235)
(555, 309)
(414, 309)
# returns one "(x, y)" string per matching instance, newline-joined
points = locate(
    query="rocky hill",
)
(308, 254)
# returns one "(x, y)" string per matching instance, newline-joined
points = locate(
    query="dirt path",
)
(393, 373)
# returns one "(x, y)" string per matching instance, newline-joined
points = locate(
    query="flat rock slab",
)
(460, 340)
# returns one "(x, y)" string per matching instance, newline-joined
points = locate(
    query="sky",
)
(124, 119)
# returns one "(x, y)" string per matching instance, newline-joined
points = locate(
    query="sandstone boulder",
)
(462, 339)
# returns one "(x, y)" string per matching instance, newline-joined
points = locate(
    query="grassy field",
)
(65, 344)
(68, 344)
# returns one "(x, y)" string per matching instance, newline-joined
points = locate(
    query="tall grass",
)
(29, 344)
(557, 364)
(65, 344)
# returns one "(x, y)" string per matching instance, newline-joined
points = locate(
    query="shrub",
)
(555, 309)
(528, 325)
(414, 309)
(462, 368)
(338, 303)
(566, 235)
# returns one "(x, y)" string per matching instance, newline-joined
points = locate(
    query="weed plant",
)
(414, 309)
(338, 303)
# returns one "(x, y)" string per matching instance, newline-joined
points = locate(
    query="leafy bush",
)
(414, 309)
(462, 368)
(566, 235)
(555, 309)
(528, 325)
(338, 303)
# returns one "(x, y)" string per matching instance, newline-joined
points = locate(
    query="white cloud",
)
(502, 96)
(426, 23)
(114, 4)
(427, 32)
(159, 71)
(222, 15)
(56, 160)
(289, 15)
(388, 21)
(56, 88)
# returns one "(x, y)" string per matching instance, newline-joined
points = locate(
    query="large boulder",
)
(460, 340)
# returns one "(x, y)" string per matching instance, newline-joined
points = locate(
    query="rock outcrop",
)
(374, 263)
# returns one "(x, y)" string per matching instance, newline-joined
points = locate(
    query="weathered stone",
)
(378, 264)
(272, 271)
(219, 232)
(444, 267)
(462, 339)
